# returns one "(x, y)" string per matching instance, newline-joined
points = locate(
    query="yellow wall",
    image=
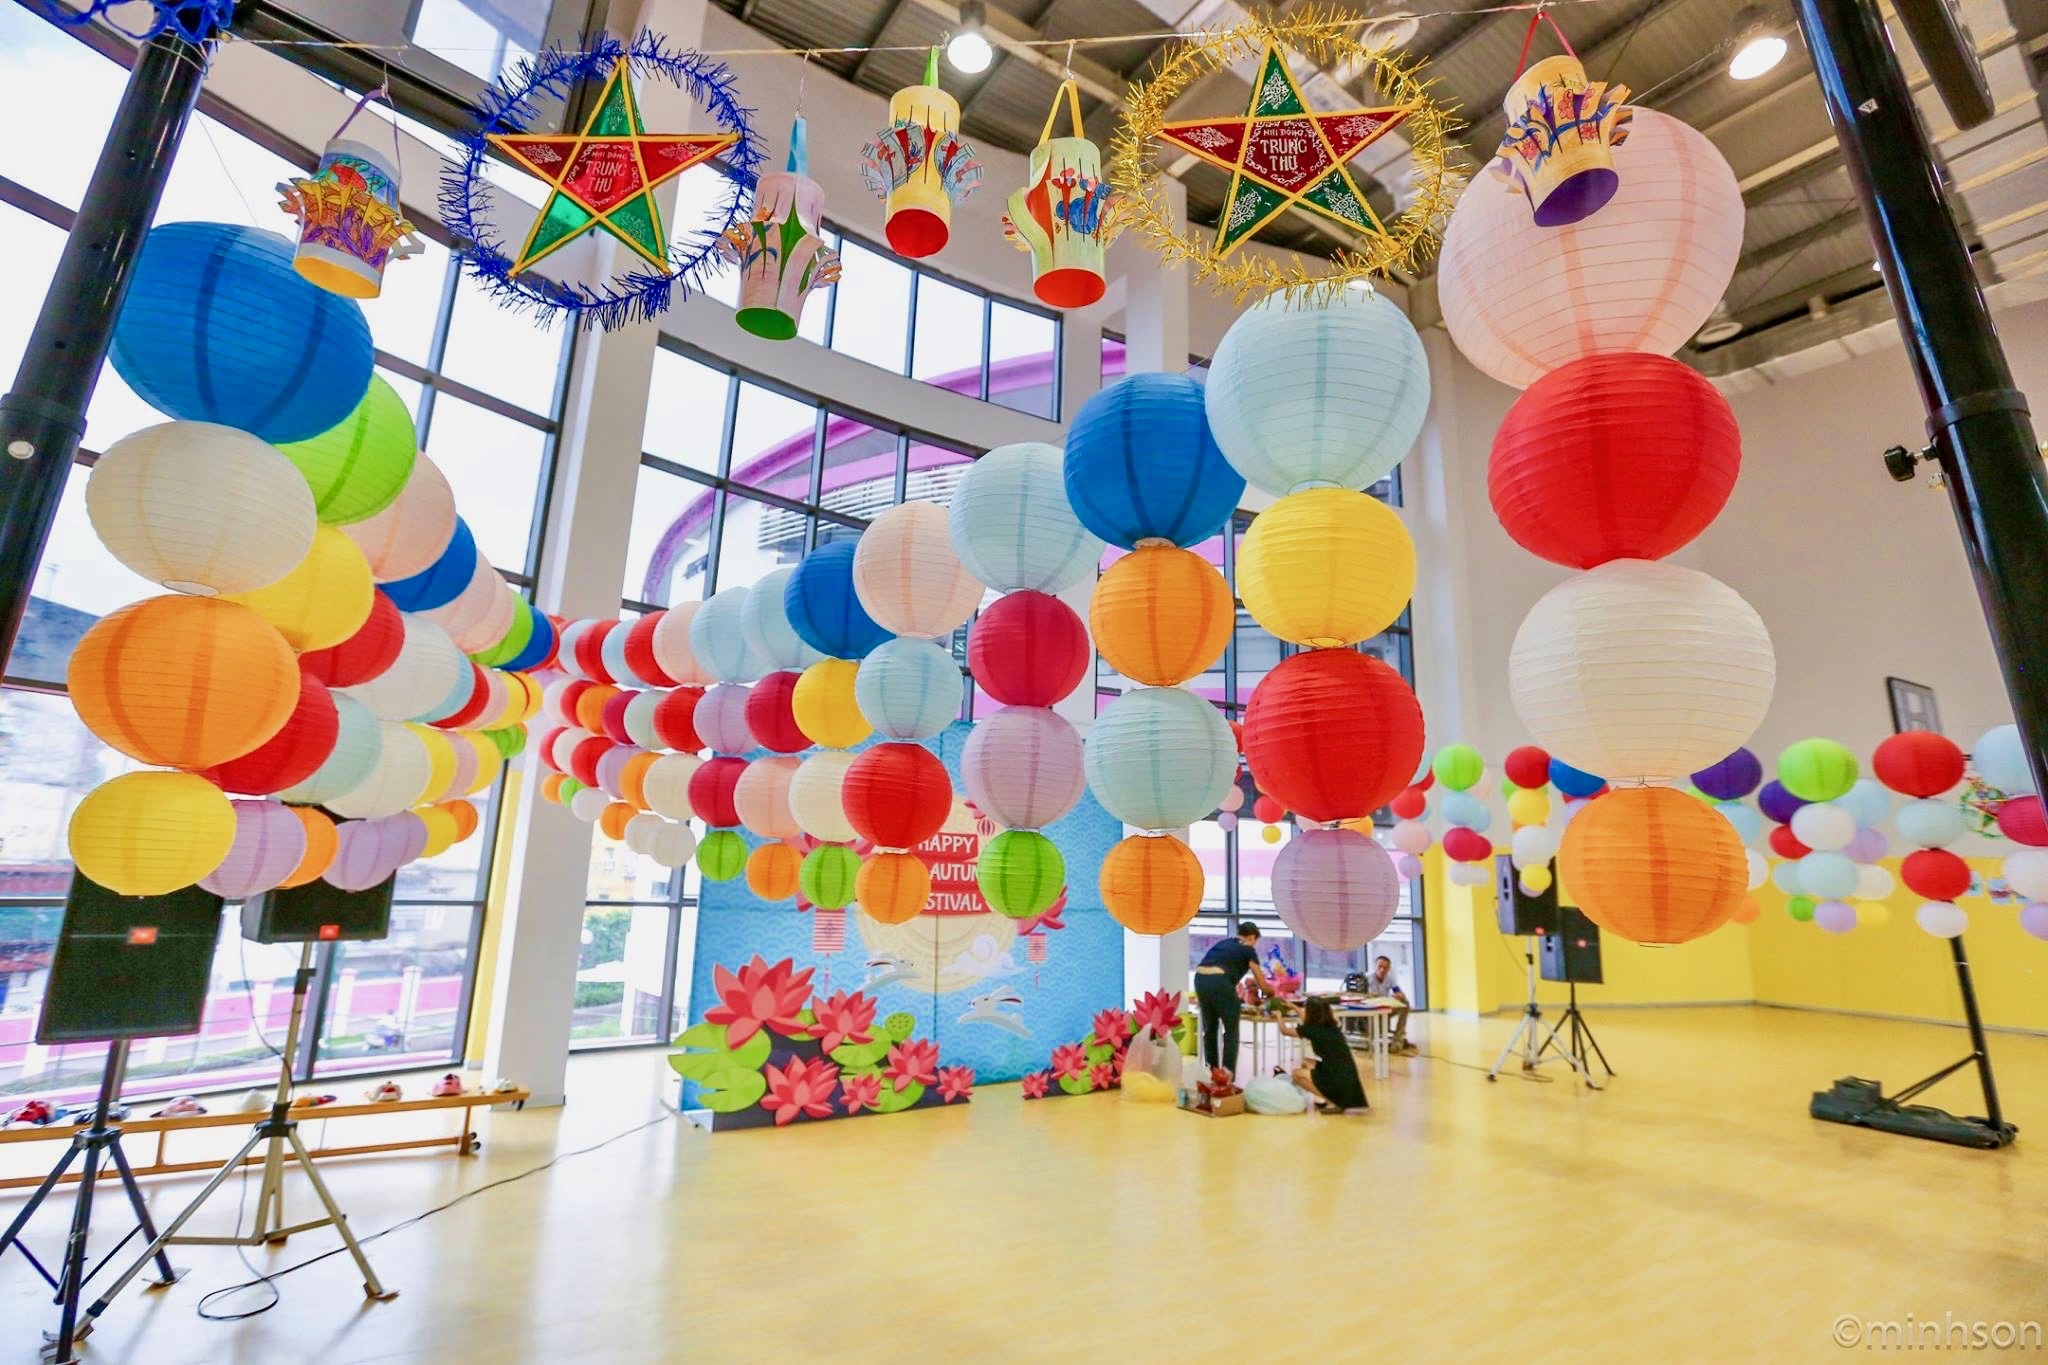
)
(494, 915)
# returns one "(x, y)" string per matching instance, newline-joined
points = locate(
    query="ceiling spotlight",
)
(1758, 46)
(1721, 326)
(968, 50)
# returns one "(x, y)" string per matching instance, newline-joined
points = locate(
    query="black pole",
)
(1980, 1052)
(1977, 421)
(42, 418)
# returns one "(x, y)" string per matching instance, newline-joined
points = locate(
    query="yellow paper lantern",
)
(440, 747)
(824, 706)
(1161, 615)
(324, 600)
(489, 761)
(1528, 806)
(151, 833)
(1326, 567)
(441, 830)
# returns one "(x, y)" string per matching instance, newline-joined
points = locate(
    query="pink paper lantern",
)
(672, 647)
(269, 842)
(761, 796)
(611, 769)
(408, 536)
(1335, 887)
(1023, 767)
(721, 719)
(467, 765)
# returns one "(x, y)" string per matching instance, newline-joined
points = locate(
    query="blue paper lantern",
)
(1011, 524)
(2000, 758)
(909, 688)
(1573, 782)
(765, 622)
(218, 327)
(1868, 802)
(1141, 464)
(1749, 825)
(1777, 804)
(823, 608)
(1733, 778)
(442, 581)
(1159, 757)
(719, 640)
(538, 646)
(1465, 810)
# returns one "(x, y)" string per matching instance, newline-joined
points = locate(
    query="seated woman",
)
(1331, 1076)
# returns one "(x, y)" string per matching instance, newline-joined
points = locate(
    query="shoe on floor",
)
(387, 1093)
(311, 1101)
(36, 1112)
(450, 1084)
(180, 1107)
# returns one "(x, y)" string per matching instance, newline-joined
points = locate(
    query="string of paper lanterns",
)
(822, 608)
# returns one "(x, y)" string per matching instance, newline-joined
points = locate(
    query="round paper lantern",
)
(1653, 865)
(772, 872)
(1827, 876)
(291, 755)
(1868, 846)
(321, 844)
(2034, 920)
(1528, 807)
(1817, 770)
(366, 853)
(827, 876)
(814, 798)
(441, 830)
(1786, 844)
(588, 804)
(720, 718)
(358, 745)
(1141, 464)
(641, 729)
(1266, 809)
(358, 467)
(611, 821)
(482, 613)
(611, 770)
(1824, 826)
(218, 327)
(765, 622)
(666, 787)
(1837, 917)
(1640, 275)
(1151, 883)
(1467, 845)
(611, 651)
(1534, 846)
(1929, 823)
(1535, 881)
(1459, 767)
(1336, 888)
(2000, 757)
(1749, 826)
(1463, 808)
(1572, 782)
(1935, 874)
(1012, 527)
(323, 601)
(672, 649)
(2021, 820)
(410, 534)
(1328, 395)
(362, 656)
(427, 669)
(1409, 804)
(639, 651)
(771, 714)
(2026, 873)
(823, 608)
(1639, 669)
(200, 508)
(711, 791)
(1527, 767)
(1918, 763)
(1028, 649)
(1776, 803)
(584, 653)
(611, 722)
(1332, 733)
(396, 781)
(1800, 908)
(539, 648)
(907, 576)
(824, 705)
(633, 780)
(1614, 456)
(1733, 778)
(442, 581)
(1942, 919)
(909, 688)
(1022, 767)
(672, 845)
(486, 689)
(896, 796)
(151, 833)
(718, 641)
(1866, 803)
(893, 888)
(1873, 883)
(1159, 758)
(269, 843)
(183, 682)
(1021, 873)
(761, 797)
(1160, 616)
(675, 717)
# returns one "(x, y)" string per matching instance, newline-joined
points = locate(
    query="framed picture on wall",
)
(1913, 706)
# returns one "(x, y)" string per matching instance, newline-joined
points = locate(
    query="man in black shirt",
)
(1222, 967)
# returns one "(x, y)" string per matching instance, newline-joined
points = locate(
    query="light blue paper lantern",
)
(218, 327)
(1747, 819)
(611, 652)
(1828, 876)
(1012, 526)
(718, 638)
(1329, 396)
(1159, 758)
(823, 608)
(358, 746)
(1141, 465)
(1785, 876)
(458, 696)
(2000, 758)
(909, 688)
(765, 622)
(1466, 810)
(1867, 801)
(1929, 823)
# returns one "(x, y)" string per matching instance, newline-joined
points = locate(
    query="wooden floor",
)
(1691, 1211)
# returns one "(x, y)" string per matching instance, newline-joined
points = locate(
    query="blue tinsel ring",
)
(466, 197)
(196, 21)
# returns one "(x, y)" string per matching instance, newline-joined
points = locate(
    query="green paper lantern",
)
(1800, 908)
(510, 740)
(1817, 770)
(721, 855)
(359, 468)
(1021, 873)
(570, 786)
(826, 877)
(515, 639)
(1458, 766)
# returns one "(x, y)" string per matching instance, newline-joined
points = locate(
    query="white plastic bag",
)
(1275, 1095)
(1152, 1069)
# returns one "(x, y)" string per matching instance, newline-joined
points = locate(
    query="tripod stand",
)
(1581, 1040)
(280, 1131)
(1534, 1041)
(97, 1142)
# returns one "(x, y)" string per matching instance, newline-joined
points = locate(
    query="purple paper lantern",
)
(368, 851)
(611, 767)
(721, 719)
(1022, 767)
(269, 842)
(2034, 919)
(1733, 778)
(1867, 845)
(1336, 888)
(1837, 917)
(1408, 866)
(1777, 804)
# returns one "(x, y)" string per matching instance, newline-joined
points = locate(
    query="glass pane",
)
(504, 354)
(76, 584)
(685, 411)
(830, 530)
(619, 973)
(758, 537)
(860, 468)
(1113, 363)
(483, 39)
(494, 465)
(1257, 654)
(398, 1001)
(31, 247)
(221, 176)
(48, 762)
(1207, 839)
(772, 440)
(402, 317)
(946, 345)
(701, 194)
(457, 872)
(1021, 360)
(48, 71)
(934, 472)
(668, 547)
(617, 873)
(873, 307)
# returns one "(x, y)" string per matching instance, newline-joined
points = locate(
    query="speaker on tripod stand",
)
(1571, 954)
(1531, 917)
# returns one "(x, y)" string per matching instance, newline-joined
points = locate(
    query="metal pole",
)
(1981, 1053)
(42, 418)
(1977, 421)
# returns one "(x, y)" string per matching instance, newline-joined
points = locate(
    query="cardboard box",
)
(1224, 1108)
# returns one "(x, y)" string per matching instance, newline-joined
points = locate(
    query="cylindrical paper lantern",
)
(814, 797)
(321, 843)
(1029, 649)
(358, 467)
(1012, 527)
(827, 876)
(666, 787)
(1326, 566)
(1159, 758)
(772, 871)
(323, 601)
(364, 655)
(761, 797)
(397, 780)
(825, 706)
(1141, 464)
(270, 842)
(1326, 395)
(896, 796)
(358, 744)
(1160, 616)
(765, 622)
(823, 608)
(1336, 888)
(1817, 769)
(675, 720)
(1640, 669)
(893, 888)
(151, 833)
(672, 649)
(1151, 884)
(291, 755)
(1021, 873)
(907, 576)
(427, 669)
(442, 581)
(409, 535)
(183, 682)
(910, 688)
(1333, 733)
(718, 641)
(672, 845)
(720, 718)
(711, 791)
(1022, 767)
(771, 714)
(1653, 865)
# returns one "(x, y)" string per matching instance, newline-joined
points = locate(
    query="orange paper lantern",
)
(892, 888)
(590, 706)
(772, 871)
(323, 840)
(465, 817)
(613, 819)
(1152, 884)
(1161, 615)
(633, 780)
(1654, 865)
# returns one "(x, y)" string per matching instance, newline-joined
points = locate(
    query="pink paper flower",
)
(914, 1062)
(1035, 1083)
(843, 1017)
(1069, 1059)
(760, 996)
(1158, 1012)
(955, 1082)
(803, 1089)
(1112, 1028)
(859, 1091)
(1101, 1078)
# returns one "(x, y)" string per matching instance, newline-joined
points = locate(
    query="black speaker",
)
(129, 966)
(1520, 912)
(318, 912)
(1572, 953)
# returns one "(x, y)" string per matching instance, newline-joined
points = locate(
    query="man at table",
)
(1222, 967)
(1381, 985)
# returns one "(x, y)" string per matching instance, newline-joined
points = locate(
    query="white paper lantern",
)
(1011, 524)
(1759, 868)
(1159, 758)
(1533, 846)
(565, 651)
(201, 508)
(612, 653)
(672, 646)
(396, 783)
(719, 642)
(671, 845)
(640, 719)
(909, 688)
(427, 669)
(1929, 822)
(564, 744)
(1331, 395)
(667, 785)
(459, 695)
(814, 796)
(1470, 874)
(552, 698)
(640, 832)
(2026, 873)
(721, 720)
(1943, 919)
(1642, 274)
(1022, 767)
(588, 804)
(408, 536)
(1873, 882)
(1412, 837)
(761, 796)
(766, 626)
(907, 576)
(358, 742)
(1823, 826)
(1785, 876)
(1641, 669)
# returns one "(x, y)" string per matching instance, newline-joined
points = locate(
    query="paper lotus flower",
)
(843, 1017)
(1035, 1083)
(862, 1090)
(1069, 1059)
(955, 1083)
(760, 996)
(913, 1062)
(1112, 1028)
(1102, 1076)
(803, 1089)
(1156, 1012)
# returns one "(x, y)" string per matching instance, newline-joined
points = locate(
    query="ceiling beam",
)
(867, 59)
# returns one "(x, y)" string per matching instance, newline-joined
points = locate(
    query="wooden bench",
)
(465, 1142)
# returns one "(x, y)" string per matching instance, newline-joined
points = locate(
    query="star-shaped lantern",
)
(1281, 152)
(606, 175)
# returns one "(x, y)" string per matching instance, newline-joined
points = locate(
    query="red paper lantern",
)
(471, 710)
(1918, 763)
(612, 720)
(640, 651)
(1426, 781)
(583, 758)
(1028, 649)
(1620, 455)
(363, 655)
(1935, 874)
(554, 660)
(1467, 845)
(895, 796)
(590, 651)
(1786, 844)
(2022, 820)
(547, 747)
(711, 789)
(1333, 733)
(1267, 811)
(572, 693)
(1528, 766)
(292, 754)
(1409, 803)
(771, 714)
(673, 717)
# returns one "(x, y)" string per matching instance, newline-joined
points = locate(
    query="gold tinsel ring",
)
(1324, 37)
